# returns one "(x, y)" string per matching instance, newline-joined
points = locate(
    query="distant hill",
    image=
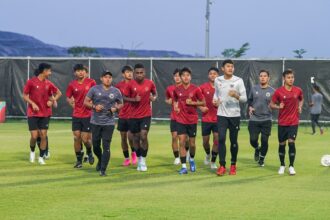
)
(14, 44)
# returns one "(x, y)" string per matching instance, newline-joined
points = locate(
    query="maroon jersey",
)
(188, 113)
(289, 115)
(169, 95)
(144, 89)
(78, 91)
(208, 92)
(124, 113)
(39, 92)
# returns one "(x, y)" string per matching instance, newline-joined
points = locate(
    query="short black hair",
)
(287, 72)
(126, 68)
(227, 61)
(214, 69)
(138, 66)
(78, 66)
(316, 88)
(106, 72)
(41, 68)
(177, 70)
(185, 69)
(264, 71)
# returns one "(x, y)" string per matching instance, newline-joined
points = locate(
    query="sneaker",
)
(102, 173)
(207, 160)
(143, 166)
(32, 156)
(138, 168)
(213, 166)
(183, 171)
(177, 161)
(192, 165)
(261, 163)
(78, 165)
(134, 158)
(126, 162)
(221, 171)
(292, 171)
(90, 159)
(41, 161)
(281, 170)
(256, 155)
(98, 166)
(232, 170)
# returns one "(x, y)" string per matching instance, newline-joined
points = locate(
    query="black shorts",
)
(123, 125)
(287, 132)
(257, 127)
(81, 124)
(208, 127)
(188, 129)
(38, 123)
(231, 123)
(173, 126)
(138, 124)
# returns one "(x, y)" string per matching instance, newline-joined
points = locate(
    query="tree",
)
(82, 51)
(233, 53)
(299, 53)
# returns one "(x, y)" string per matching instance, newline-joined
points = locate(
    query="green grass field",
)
(57, 191)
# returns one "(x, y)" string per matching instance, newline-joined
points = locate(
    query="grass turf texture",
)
(57, 191)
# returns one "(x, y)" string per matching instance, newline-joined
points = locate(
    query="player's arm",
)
(153, 95)
(250, 102)
(88, 102)
(128, 98)
(241, 94)
(27, 99)
(216, 100)
(301, 102)
(70, 100)
(200, 99)
(69, 97)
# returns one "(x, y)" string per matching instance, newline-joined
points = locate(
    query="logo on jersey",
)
(47, 87)
(87, 87)
(231, 85)
(37, 87)
(191, 95)
(267, 94)
(100, 94)
(76, 90)
(111, 96)
(146, 89)
(257, 92)
(208, 92)
(180, 94)
(284, 97)
(134, 89)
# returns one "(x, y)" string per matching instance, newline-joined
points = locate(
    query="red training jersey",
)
(144, 89)
(289, 115)
(169, 95)
(124, 113)
(208, 91)
(78, 91)
(188, 113)
(39, 92)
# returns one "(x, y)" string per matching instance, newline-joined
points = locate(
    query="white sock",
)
(184, 165)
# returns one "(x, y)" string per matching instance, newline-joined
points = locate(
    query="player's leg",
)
(134, 127)
(222, 131)
(122, 128)
(34, 132)
(282, 138)
(215, 149)
(77, 148)
(87, 140)
(192, 131)
(131, 145)
(233, 135)
(317, 116)
(175, 142)
(96, 140)
(144, 130)
(265, 133)
(106, 135)
(43, 143)
(254, 131)
(313, 122)
(206, 131)
(292, 135)
(182, 134)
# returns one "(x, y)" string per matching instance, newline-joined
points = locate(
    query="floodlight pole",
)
(207, 29)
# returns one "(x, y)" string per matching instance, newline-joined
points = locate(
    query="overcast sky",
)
(272, 27)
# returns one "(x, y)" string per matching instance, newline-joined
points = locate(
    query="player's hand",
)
(233, 93)
(176, 107)
(137, 98)
(35, 107)
(169, 101)
(49, 103)
(152, 98)
(281, 106)
(189, 101)
(251, 110)
(99, 108)
(299, 109)
(204, 109)
(216, 102)
(113, 109)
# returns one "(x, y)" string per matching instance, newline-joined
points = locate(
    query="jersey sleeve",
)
(276, 97)
(153, 88)
(216, 90)
(199, 94)
(93, 83)
(242, 91)
(119, 98)
(68, 92)
(301, 95)
(52, 89)
(90, 93)
(250, 97)
(27, 87)
(175, 95)
(167, 93)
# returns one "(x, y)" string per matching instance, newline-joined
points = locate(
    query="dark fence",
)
(14, 72)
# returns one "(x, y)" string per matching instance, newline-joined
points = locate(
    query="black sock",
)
(281, 153)
(126, 154)
(292, 153)
(207, 151)
(33, 148)
(192, 152)
(138, 152)
(234, 152)
(183, 159)
(42, 153)
(144, 152)
(79, 156)
(89, 150)
(214, 156)
(176, 154)
(132, 149)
